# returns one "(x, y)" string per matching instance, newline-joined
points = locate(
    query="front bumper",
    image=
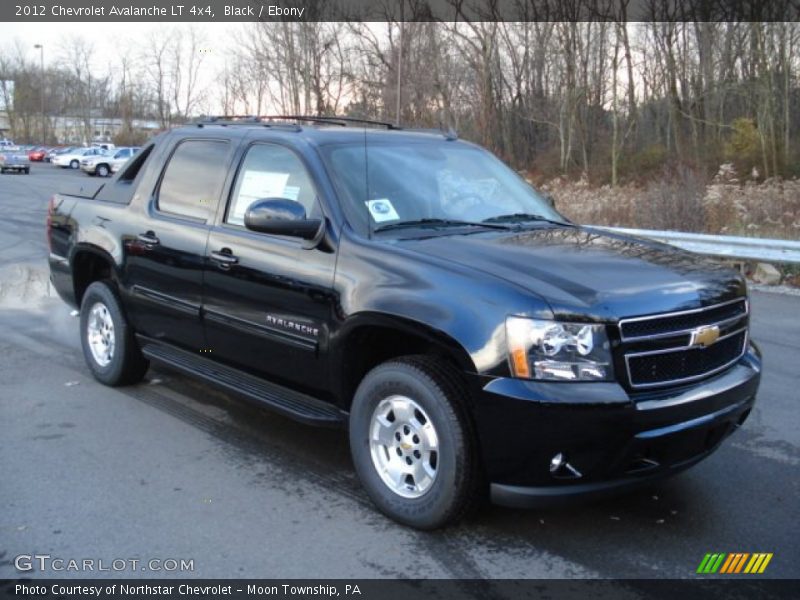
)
(612, 439)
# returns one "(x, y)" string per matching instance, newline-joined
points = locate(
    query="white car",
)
(73, 159)
(121, 161)
(103, 164)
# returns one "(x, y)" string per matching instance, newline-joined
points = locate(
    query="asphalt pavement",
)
(172, 469)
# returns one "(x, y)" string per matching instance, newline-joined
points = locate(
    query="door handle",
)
(149, 238)
(224, 258)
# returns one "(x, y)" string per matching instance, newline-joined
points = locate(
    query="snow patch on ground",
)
(24, 286)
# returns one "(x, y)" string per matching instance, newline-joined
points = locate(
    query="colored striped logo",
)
(734, 562)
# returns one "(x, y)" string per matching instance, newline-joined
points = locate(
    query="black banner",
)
(398, 10)
(744, 587)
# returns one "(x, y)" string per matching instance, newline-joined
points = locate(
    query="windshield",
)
(427, 182)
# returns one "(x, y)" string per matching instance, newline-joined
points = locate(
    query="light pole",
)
(40, 48)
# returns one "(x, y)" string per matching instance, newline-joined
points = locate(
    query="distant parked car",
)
(14, 161)
(72, 159)
(58, 150)
(37, 154)
(122, 156)
(105, 164)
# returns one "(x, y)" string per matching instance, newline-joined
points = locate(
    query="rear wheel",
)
(412, 442)
(74, 164)
(27, 171)
(102, 170)
(109, 346)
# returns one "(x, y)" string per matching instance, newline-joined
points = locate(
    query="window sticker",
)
(257, 185)
(382, 210)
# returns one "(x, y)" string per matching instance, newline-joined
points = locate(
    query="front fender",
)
(460, 308)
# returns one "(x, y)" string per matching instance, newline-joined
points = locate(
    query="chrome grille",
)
(682, 322)
(657, 350)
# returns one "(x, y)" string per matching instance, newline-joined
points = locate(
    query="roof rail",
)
(333, 120)
(268, 121)
(225, 120)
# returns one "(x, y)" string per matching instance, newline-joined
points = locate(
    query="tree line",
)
(608, 100)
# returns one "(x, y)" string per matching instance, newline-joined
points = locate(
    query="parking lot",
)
(171, 469)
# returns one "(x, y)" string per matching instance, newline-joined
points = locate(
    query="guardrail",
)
(726, 246)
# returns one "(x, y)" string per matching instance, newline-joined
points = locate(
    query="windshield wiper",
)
(438, 223)
(520, 217)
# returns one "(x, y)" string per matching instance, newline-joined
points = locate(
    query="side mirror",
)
(279, 216)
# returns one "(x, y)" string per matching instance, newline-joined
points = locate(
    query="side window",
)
(195, 173)
(270, 171)
(133, 168)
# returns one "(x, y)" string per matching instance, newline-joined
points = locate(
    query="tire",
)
(444, 484)
(27, 171)
(74, 164)
(102, 320)
(2, 171)
(102, 170)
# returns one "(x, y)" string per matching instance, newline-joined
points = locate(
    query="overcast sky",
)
(109, 39)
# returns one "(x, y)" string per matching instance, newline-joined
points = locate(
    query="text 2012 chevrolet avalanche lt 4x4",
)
(409, 287)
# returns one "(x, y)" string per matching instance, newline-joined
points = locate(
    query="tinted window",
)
(195, 173)
(270, 171)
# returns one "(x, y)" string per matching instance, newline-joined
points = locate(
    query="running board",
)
(285, 401)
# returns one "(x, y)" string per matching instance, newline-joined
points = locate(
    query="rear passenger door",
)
(164, 263)
(267, 299)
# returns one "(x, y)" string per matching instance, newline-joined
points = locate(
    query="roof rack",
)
(333, 120)
(269, 121)
(225, 120)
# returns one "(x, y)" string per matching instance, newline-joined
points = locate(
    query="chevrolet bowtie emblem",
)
(704, 336)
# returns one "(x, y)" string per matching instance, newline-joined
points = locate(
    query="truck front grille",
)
(657, 349)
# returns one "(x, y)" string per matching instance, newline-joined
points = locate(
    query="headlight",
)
(558, 351)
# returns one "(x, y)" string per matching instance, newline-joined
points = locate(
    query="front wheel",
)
(74, 164)
(412, 442)
(109, 346)
(102, 170)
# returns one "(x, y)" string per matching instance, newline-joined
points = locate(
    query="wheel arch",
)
(90, 263)
(369, 339)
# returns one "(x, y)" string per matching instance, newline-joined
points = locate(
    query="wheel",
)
(109, 346)
(413, 444)
(74, 164)
(2, 171)
(27, 171)
(102, 170)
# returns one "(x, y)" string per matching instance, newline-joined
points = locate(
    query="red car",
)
(37, 154)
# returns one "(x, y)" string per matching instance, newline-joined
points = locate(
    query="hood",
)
(591, 274)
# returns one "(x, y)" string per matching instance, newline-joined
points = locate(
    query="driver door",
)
(267, 299)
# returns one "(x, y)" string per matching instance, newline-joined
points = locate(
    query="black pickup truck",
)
(411, 288)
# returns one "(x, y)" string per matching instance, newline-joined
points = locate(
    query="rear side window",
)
(193, 179)
(133, 168)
